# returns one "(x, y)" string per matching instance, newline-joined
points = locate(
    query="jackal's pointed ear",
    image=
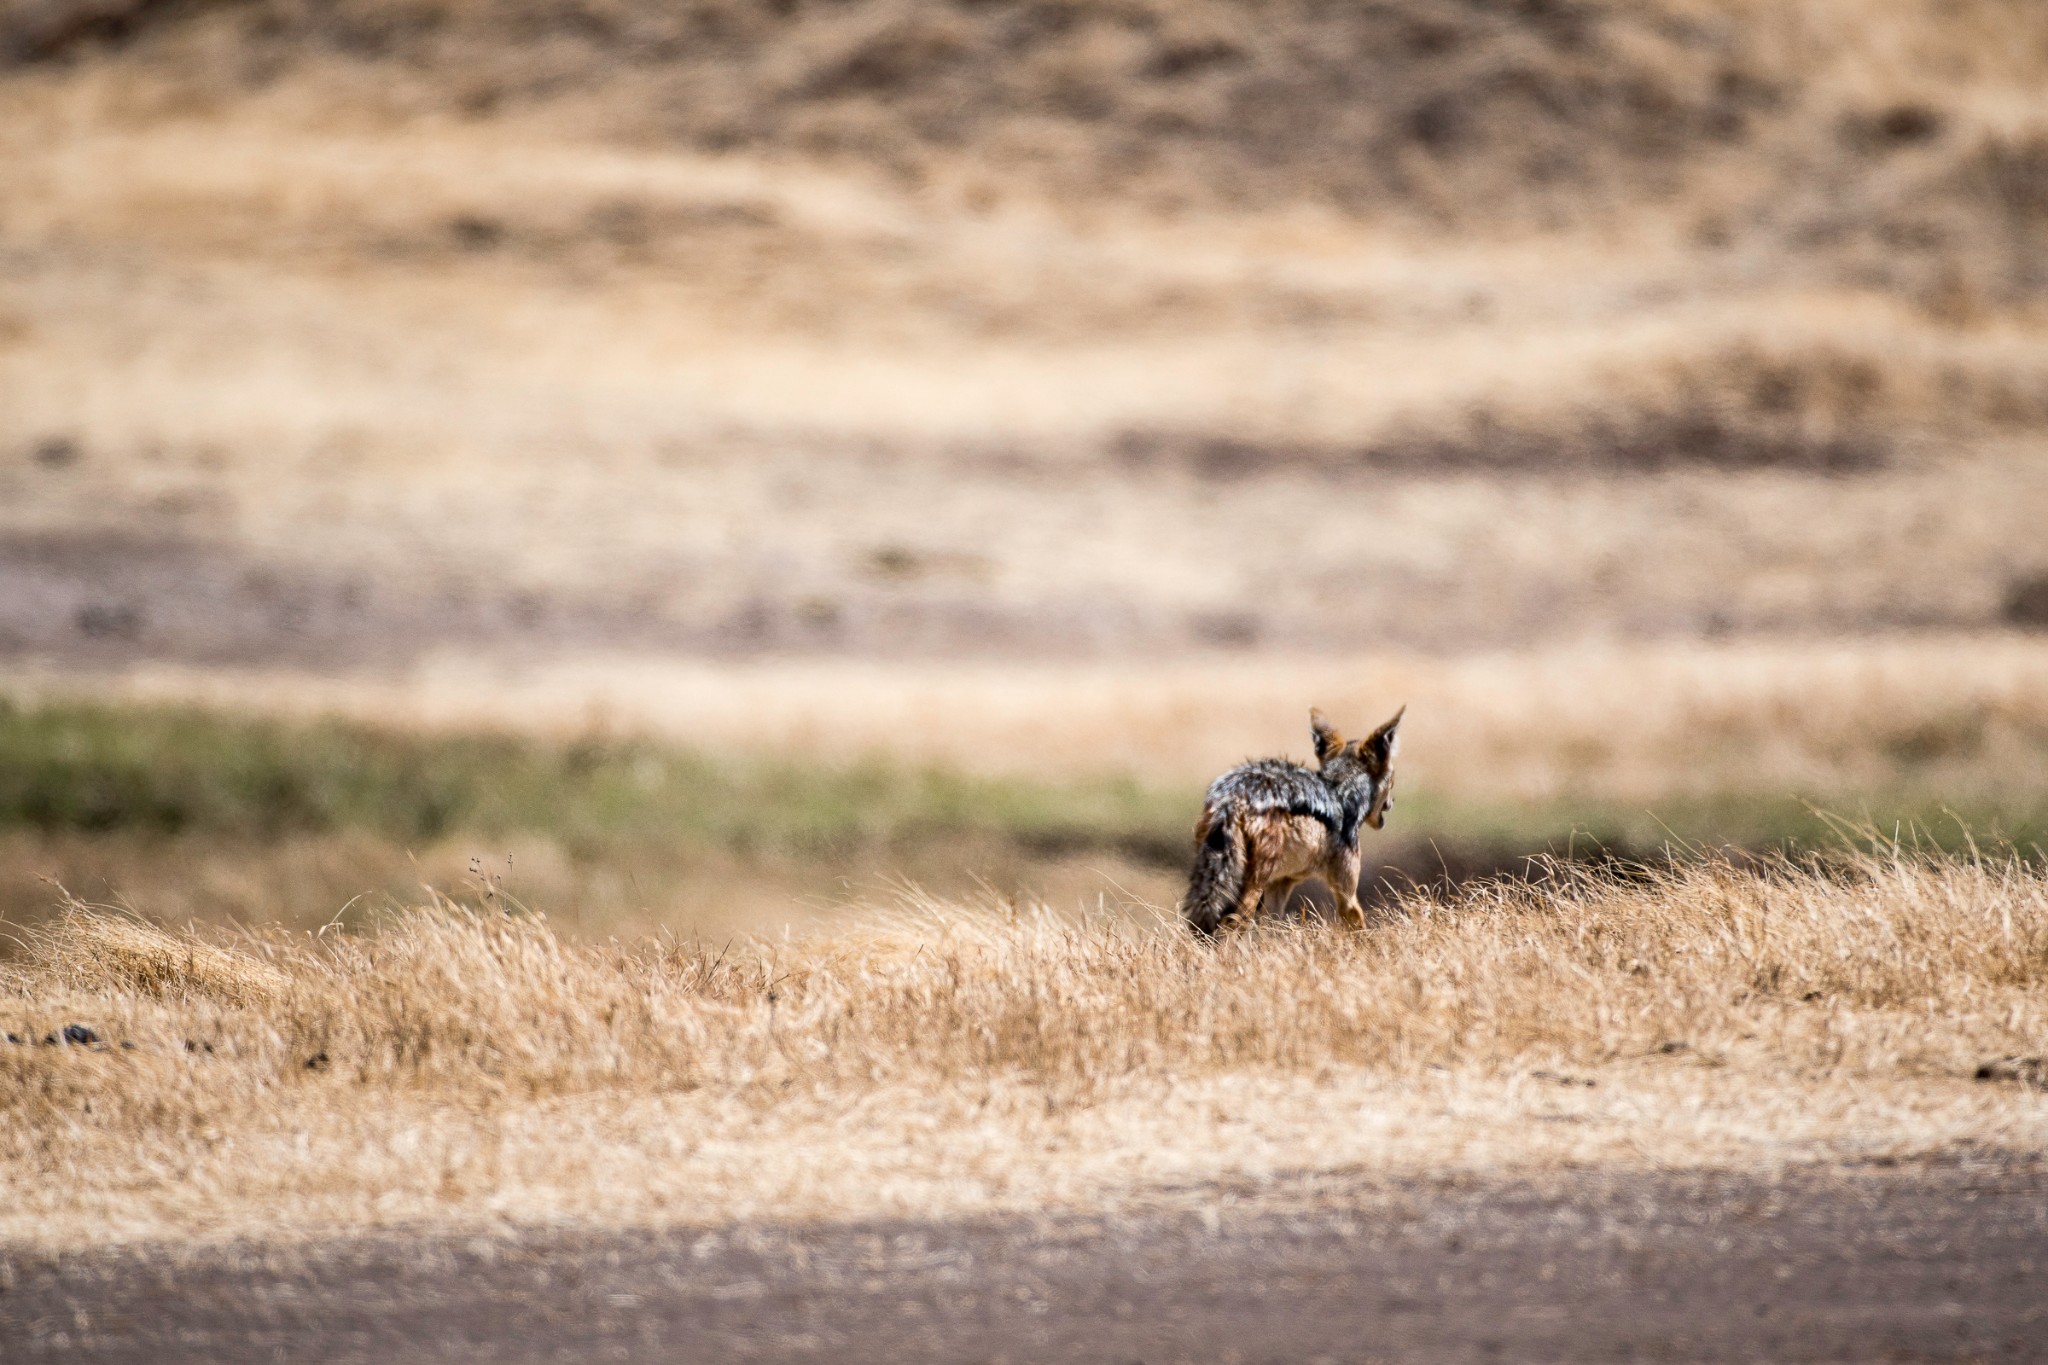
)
(1378, 747)
(1328, 742)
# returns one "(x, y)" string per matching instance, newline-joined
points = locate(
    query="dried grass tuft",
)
(100, 950)
(461, 1064)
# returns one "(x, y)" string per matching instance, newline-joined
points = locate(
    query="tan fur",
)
(1283, 851)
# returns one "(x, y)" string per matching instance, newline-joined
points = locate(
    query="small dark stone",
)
(1674, 1045)
(80, 1034)
(475, 233)
(56, 452)
(317, 1062)
(2026, 602)
(14, 1039)
(1230, 629)
(49, 1040)
(1558, 1078)
(108, 621)
(1437, 122)
(127, 1046)
(1908, 123)
(1901, 125)
(894, 561)
(2027, 1071)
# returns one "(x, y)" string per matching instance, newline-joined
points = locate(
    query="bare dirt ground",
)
(1945, 1260)
(1012, 330)
(969, 383)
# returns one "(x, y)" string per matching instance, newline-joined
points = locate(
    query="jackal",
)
(1271, 824)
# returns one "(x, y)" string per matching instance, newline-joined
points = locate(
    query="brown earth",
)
(1946, 1260)
(342, 335)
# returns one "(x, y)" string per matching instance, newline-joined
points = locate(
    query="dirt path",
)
(1947, 1262)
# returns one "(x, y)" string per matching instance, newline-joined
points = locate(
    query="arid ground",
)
(1033, 388)
(1781, 1110)
(1859, 1266)
(396, 331)
(613, 617)
(483, 351)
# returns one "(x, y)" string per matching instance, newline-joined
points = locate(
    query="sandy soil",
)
(336, 341)
(1939, 1261)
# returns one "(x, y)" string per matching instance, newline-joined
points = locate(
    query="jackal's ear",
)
(1328, 742)
(1377, 748)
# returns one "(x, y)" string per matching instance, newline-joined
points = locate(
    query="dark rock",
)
(56, 452)
(2026, 602)
(1900, 125)
(108, 621)
(1558, 1078)
(79, 1034)
(475, 233)
(2031, 1072)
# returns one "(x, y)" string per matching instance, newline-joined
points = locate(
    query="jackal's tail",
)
(1218, 879)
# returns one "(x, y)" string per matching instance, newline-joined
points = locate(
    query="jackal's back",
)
(1273, 785)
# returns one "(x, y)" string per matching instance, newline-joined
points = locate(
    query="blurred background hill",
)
(1650, 394)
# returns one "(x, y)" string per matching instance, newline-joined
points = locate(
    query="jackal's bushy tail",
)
(1218, 878)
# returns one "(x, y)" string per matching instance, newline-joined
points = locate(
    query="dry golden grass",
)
(704, 890)
(102, 949)
(467, 1068)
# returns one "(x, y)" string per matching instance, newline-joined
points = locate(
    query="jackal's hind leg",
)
(1248, 903)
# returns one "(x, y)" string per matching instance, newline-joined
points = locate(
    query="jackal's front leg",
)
(1341, 874)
